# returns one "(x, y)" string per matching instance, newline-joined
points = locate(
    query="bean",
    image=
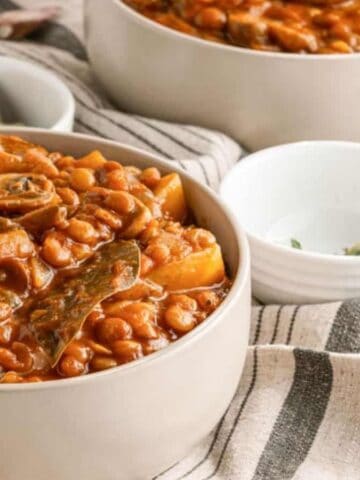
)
(82, 179)
(24, 356)
(65, 162)
(341, 46)
(208, 300)
(12, 377)
(152, 230)
(211, 18)
(343, 32)
(98, 348)
(326, 19)
(116, 180)
(127, 350)
(93, 160)
(184, 301)
(111, 219)
(180, 320)
(19, 358)
(68, 196)
(154, 345)
(102, 363)
(79, 351)
(150, 177)
(82, 231)
(141, 316)
(114, 309)
(94, 318)
(121, 202)
(8, 359)
(69, 366)
(113, 328)
(55, 252)
(159, 252)
(112, 165)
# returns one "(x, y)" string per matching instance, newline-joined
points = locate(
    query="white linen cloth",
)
(296, 414)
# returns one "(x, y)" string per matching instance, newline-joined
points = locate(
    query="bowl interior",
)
(30, 95)
(305, 191)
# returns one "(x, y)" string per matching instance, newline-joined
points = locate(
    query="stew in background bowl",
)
(304, 26)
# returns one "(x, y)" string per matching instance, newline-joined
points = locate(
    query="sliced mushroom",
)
(25, 192)
(15, 275)
(139, 219)
(16, 145)
(43, 219)
(33, 160)
(10, 298)
(15, 243)
(41, 274)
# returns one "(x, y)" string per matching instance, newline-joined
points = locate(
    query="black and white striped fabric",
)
(296, 414)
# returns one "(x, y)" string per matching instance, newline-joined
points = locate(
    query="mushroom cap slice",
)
(22, 192)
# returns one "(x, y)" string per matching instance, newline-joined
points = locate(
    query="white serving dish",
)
(259, 98)
(135, 420)
(308, 191)
(34, 96)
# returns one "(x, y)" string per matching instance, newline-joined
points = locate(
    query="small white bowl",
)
(33, 96)
(309, 191)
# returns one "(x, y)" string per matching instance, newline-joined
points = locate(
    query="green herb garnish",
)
(354, 250)
(295, 243)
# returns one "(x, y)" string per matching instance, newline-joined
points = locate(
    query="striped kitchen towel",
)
(296, 414)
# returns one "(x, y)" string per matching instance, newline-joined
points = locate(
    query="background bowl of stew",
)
(135, 420)
(259, 98)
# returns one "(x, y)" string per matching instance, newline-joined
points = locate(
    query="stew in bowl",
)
(303, 26)
(100, 263)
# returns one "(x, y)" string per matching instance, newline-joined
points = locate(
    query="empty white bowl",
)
(310, 192)
(33, 96)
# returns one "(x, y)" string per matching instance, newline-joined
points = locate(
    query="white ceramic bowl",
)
(33, 96)
(308, 191)
(259, 98)
(135, 420)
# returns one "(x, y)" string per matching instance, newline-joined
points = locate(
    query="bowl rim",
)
(68, 103)
(152, 25)
(279, 249)
(237, 288)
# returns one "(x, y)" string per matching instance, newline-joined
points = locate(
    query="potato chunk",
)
(171, 194)
(199, 269)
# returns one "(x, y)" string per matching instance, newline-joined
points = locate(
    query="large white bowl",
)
(259, 98)
(308, 191)
(135, 420)
(34, 96)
